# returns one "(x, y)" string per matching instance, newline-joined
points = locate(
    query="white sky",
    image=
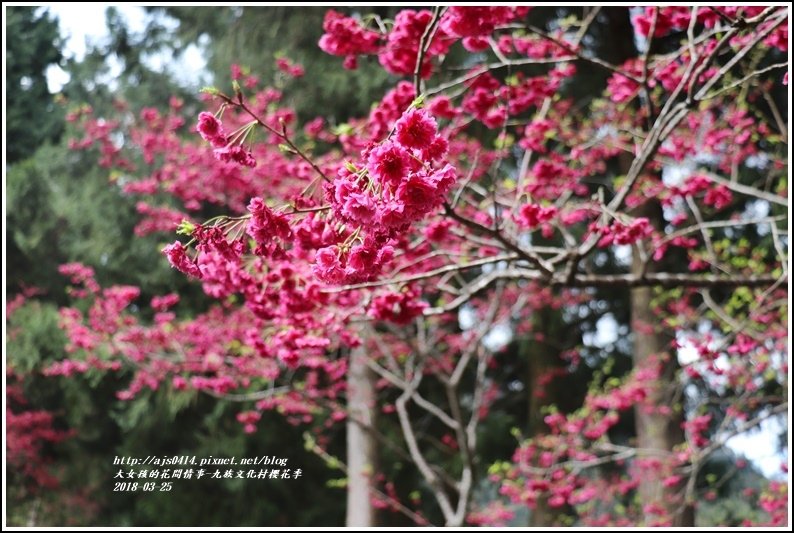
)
(83, 24)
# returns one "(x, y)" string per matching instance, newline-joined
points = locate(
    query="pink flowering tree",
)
(29, 431)
(363, 272)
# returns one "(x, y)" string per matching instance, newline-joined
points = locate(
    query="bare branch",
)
(749, 191)
(745, 79)
(424, 44)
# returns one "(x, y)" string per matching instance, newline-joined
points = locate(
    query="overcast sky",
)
(84, 24)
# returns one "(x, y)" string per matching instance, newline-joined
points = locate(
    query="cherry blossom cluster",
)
(212, 131)
(401, 181)
(28, 432)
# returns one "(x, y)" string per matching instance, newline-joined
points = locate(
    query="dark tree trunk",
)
(543, 358)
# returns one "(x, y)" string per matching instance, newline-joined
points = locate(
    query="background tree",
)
(33, 117)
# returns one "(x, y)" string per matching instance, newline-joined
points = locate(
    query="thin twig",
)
(424, 45)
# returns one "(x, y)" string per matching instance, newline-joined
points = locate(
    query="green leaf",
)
(185, 228)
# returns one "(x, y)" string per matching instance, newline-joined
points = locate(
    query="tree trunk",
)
(542, 358)
(361, 445)
(539, 363)
(656, 430)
